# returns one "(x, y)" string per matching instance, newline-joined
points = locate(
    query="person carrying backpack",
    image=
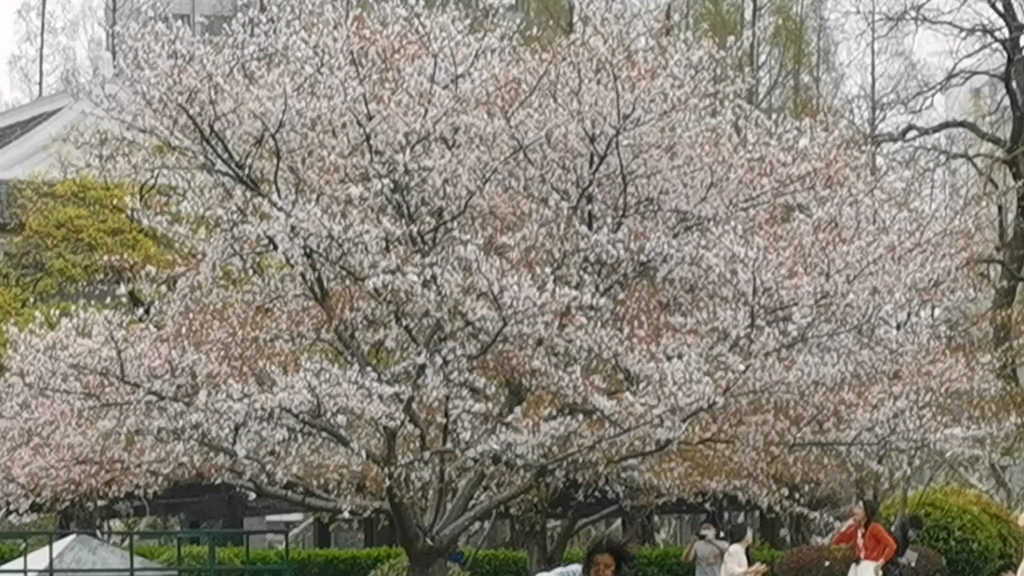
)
(904, 532)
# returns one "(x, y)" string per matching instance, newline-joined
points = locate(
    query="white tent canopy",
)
(82, 552)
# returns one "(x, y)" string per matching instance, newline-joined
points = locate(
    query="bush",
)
(497, 563)
(8, 552)
(766, 555)
(815, 561)
(364, 561)
(836, 561)
(662, 562)
(316, 562)
(400, 567)
(976, 535)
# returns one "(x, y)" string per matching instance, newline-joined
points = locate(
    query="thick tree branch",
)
(912, 132)
(304, 501)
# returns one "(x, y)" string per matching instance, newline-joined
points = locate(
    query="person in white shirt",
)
(735, 561)
(605, 557)
(706, 551)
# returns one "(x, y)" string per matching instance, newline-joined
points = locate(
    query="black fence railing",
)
(170, 553)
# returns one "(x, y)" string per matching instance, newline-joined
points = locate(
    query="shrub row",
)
(836, 561)
(360, 562)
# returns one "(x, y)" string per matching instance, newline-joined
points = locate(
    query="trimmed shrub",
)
(836, 561)
(9, 552)
(662, 562)
(316, 562)
(815, 561)
(400, 567)
(766, 555)
(364, 561)
(976, 535)
(649, 562)
(497, 563)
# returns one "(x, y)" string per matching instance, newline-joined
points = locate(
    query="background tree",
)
(76, 245)
(63, 59)
(982, 47)
(785, 48)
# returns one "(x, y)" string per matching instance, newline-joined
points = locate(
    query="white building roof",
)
(82, 552)
(31, 135)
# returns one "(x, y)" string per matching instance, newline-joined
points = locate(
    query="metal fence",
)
(34, 561)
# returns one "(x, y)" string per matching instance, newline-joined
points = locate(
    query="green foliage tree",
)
(76, 242)
(976, 535)
(784, 48)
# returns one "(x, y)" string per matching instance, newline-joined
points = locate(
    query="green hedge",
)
(360, 562)
(8, 552)
(315, 562)
(400, 567)
(976, 535)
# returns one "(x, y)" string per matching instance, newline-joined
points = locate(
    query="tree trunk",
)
(800, 531)
(427, 561)
(771, 530)
(537, 552)
(1002, 315)
(638, 527)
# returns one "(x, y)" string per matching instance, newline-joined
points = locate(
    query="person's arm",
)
(721, 545)
(881, 535)
(688, 553)
(848, 535)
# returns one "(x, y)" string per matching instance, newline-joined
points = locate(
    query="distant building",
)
(200, 16)
(31, 143)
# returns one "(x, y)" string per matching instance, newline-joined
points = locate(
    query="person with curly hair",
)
(605, 557)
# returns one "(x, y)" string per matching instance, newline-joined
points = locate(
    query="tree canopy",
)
(75, 244)
(429, 265)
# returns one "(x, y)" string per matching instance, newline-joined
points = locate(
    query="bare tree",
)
(984, 52)
(51, 45)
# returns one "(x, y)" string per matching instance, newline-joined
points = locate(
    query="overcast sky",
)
(7, 40)
(7, 8)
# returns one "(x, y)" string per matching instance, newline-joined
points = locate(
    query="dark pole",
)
(42, 44)
(113, 31)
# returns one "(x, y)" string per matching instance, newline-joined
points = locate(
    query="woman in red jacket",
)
(871, 541)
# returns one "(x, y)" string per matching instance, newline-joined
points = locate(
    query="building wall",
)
(202, 16)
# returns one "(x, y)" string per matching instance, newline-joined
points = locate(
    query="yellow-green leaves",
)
(71, 235)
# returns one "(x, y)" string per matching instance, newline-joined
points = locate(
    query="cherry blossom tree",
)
(429, 265)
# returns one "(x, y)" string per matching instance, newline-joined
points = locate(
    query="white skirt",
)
(863, 568)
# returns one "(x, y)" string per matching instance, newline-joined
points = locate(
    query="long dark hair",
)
(871, 515)
(737, 533)
(624, 559)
